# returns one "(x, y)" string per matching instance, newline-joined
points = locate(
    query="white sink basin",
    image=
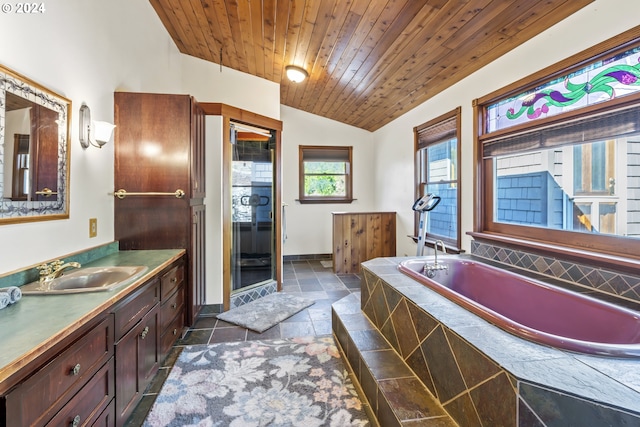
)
(91, 279)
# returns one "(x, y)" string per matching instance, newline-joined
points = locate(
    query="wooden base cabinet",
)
(147, 324)
(97, 376)
(137, 350)
(73, 387)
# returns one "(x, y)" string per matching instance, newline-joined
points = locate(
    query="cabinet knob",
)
(174, 279)
(75, 422)
(175, 332)
(75, 370)
(144, 333)
(174, 305)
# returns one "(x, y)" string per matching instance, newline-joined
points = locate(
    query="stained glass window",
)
(613, 77)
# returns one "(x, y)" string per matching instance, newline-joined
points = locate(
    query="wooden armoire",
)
(159, 153)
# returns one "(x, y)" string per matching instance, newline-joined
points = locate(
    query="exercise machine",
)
(424, 205)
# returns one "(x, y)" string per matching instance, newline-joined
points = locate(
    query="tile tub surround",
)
(619, 286)
(482, 375)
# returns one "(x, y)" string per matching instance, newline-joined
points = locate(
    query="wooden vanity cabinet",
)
(147, 324)
(97, 375)
(76, 384)
(137, 321)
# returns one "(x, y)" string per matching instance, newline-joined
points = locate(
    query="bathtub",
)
(532, 309)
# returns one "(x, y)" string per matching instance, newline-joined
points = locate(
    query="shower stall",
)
(253, 240)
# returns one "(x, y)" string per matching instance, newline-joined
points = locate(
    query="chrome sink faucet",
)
(53, 270)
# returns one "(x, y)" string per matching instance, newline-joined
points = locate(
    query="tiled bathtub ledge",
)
(394, 393)
(484, 376)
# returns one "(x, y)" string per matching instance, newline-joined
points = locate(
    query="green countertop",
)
(37, 322)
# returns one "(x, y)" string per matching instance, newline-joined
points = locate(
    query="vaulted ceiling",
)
(369, 61)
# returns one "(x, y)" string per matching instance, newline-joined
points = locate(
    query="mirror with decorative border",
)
(34, 151)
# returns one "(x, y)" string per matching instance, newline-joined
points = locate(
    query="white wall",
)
(84, 50)
(309, 226)
(393, 181)
(207, 83)
(213, 215)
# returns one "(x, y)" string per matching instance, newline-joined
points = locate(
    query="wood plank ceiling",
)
(369, 61)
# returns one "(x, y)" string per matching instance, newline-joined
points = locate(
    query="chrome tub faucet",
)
(430, 269)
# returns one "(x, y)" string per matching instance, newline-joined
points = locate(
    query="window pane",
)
(573, 188)
(442, 222)
(441, 161)
(436, 160)
(325, 185)
(325, 167)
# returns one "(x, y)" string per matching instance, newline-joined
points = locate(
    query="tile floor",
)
(308, 279)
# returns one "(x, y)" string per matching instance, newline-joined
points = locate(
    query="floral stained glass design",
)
(598, 82)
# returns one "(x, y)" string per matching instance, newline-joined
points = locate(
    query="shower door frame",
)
(229, 114)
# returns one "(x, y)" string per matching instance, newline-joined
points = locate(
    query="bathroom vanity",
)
(86, 359)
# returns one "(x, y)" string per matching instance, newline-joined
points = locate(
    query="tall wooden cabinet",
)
(361, 236)
(159, 153)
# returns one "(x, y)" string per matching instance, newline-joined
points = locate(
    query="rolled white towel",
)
(4, 300)
(14, 293)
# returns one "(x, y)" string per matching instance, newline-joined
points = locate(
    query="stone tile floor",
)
(308, 279)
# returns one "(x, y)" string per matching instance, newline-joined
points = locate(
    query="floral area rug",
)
(286, 382)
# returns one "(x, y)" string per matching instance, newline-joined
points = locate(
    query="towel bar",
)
(46, 192)
(121, 194)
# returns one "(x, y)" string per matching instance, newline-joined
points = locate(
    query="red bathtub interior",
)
(534, 310)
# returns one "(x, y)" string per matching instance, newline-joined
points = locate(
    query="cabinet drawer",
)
(38, 398)
(108, 416)
(170, 334)
(171, 280)
(135, 308)
(170, 308)
(87, 406)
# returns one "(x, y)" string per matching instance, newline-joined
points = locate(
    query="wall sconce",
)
(296, 74)
(102, 130)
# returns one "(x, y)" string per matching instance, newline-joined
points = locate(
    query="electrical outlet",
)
(93, 227)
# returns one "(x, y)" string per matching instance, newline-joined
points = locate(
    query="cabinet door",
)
(197, 151)
(137, 361)
(196, 293)
(152, 154)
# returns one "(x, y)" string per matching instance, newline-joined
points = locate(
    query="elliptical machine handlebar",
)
(426, 203)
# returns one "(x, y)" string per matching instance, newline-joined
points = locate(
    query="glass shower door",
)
(253, 244)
